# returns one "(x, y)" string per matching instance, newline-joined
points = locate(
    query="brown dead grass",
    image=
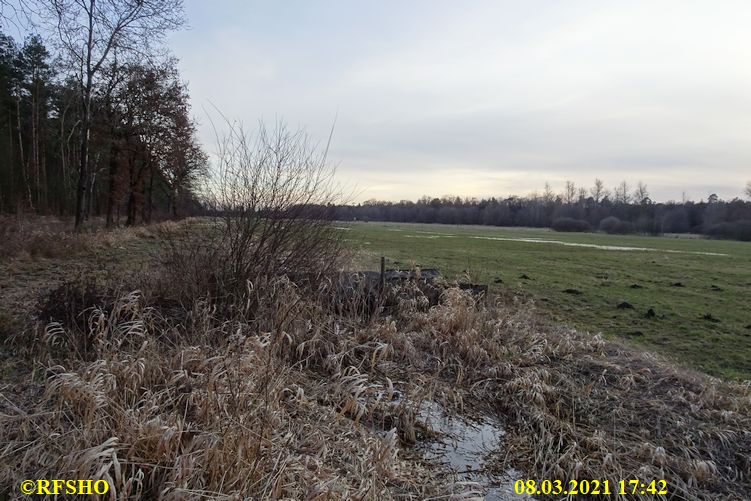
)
(47, 237)
(289, 399)
(581, 407)
(38, 237)
(210, 409)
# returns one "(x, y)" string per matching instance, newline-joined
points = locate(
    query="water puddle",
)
(430, 234)
(596, 246)
(435, 233)
(463, 447)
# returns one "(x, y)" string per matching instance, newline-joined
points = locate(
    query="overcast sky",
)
(489, 98)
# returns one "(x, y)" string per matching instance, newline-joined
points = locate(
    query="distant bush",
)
(736, 230)
(609, 224)
(613, 225)
(570, 224)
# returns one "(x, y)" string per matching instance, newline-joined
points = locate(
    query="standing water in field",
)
(433, 235)
(463, 447)
(597, 246)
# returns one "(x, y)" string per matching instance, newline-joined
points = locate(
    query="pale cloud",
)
(490, 98)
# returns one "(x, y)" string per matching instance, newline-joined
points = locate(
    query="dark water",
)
(463, 447)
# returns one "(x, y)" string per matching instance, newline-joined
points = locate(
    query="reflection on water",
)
(464, 445)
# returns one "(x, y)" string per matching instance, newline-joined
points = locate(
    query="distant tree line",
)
(96, 122)
(620, 210)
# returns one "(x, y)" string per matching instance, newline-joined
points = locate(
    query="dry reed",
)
(292, 399)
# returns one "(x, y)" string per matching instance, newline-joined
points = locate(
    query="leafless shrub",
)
(269, 203)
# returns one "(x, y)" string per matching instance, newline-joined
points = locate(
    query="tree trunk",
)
(12, 201)
(34, 160)
(83, 172)
(90, 205)
(149, 198)
(41, 152)
(173, 202)
(63, 169)
(132, 208)
(83, 166)
(24, 173)
(112, 191)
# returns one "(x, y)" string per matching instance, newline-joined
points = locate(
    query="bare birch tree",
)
(641, 195)
(598, 191)
(621, 193)
(89, 33)
(569, 192)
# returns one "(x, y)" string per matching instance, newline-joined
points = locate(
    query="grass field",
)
(698, 290)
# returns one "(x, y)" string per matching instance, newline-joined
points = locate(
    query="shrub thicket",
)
(736, 230)
(615, 226)
(571, 224)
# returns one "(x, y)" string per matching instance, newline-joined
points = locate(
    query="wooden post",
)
(383, 273)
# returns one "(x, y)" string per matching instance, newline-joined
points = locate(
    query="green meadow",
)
(688, 299)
